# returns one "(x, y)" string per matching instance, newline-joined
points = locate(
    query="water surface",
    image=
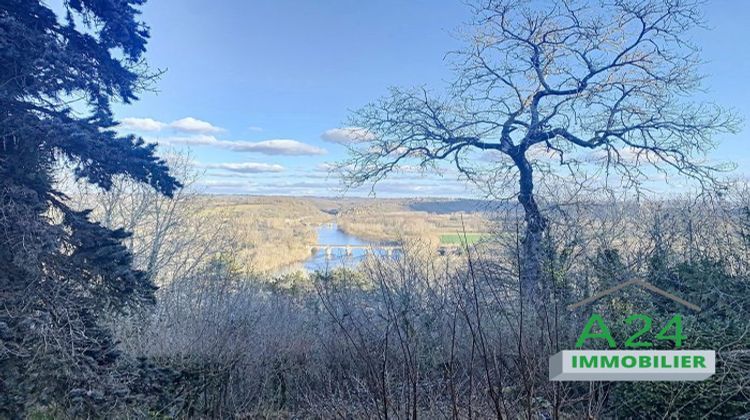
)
(329, 235)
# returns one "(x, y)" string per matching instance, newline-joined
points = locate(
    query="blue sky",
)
(253, 87)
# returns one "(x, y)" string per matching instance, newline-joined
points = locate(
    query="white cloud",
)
(276, 147)
(326, 167)
(187, 125)
(269, 147)
(214, 174)
(194, 125)
(246, 167)
(625, 154)
(492, 156)
(224, 184)
(292, 185)
(280, 186)
(542, 152)
(536, 152)
(436, 188)
(141, 124)
(198, 140)
(347, 135)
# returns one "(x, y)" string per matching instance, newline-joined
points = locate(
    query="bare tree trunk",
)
(536, 225)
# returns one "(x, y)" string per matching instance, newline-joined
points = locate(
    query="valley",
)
(286, 233)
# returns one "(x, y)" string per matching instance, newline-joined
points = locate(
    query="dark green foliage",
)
(720, 325)
(61, 273)
(608, 267)
(744, 228)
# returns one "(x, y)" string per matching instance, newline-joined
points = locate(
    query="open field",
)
(402, 219)
(461, 238)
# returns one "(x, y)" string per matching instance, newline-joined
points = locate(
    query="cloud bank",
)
(184, 125)
(283, 147)
(194, 125)
(347, 135)
(246, 167)
(141, 124)
(197, 132)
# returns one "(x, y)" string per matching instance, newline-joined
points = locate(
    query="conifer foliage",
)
(61, 274)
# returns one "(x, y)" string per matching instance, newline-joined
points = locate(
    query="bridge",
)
(349, 249)
(388, 250)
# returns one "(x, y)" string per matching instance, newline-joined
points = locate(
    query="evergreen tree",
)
(61, 274)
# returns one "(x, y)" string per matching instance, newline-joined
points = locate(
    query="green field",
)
(461, 238)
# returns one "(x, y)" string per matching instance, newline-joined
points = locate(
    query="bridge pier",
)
(332, 251)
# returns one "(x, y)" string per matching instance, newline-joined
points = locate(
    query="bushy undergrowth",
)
(417, 338)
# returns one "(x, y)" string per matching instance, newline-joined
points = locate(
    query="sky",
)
(259, 91)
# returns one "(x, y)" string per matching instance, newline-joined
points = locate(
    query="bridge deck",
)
(373, 246)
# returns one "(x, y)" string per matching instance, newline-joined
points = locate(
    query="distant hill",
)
(336, 205)
(445, 206)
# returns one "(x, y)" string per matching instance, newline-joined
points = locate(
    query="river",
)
(329, 235)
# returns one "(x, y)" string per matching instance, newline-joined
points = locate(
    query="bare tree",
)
(598, 86)
(170, 236)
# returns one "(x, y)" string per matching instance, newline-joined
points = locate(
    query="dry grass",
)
(394, 220)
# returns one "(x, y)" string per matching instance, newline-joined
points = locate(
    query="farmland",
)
(468, 238)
